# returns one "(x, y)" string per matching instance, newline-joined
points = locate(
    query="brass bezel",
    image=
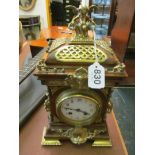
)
(78, 93)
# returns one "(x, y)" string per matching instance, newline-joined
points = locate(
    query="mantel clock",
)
(75, 111)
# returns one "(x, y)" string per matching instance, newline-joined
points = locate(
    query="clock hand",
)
(78, 110)
(84, 112)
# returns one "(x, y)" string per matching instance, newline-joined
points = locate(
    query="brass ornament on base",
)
(75, 111)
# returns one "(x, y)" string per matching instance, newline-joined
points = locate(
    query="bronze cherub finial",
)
(81, 23)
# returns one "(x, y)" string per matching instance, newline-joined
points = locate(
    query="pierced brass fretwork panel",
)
(78, 53)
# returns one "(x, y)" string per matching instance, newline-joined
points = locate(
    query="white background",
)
(145, 78)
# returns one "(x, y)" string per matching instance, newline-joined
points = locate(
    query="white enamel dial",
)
(78, 108)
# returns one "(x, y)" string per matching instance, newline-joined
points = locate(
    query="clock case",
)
(64, 67)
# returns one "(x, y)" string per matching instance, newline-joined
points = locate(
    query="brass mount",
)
(81, 23)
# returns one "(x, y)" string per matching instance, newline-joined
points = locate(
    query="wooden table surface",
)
(54, 32)
(31, 134)
(38, 43)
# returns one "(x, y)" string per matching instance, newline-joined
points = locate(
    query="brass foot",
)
(102, 143)
(49, 141)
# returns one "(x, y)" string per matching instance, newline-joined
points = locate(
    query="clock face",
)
(78, 108)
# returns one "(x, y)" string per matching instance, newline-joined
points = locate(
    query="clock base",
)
(49, 141)
(97, 134)
(102, 143)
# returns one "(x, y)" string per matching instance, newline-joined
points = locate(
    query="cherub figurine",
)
(81, 23)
